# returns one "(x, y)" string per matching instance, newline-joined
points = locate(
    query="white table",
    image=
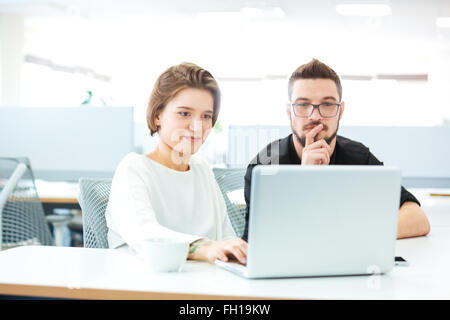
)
(66, 272)
(104, 273)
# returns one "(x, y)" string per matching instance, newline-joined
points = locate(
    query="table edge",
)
(111, 294)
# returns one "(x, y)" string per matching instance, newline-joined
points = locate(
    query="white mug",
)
(162, 255)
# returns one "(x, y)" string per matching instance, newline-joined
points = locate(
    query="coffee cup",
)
(161, 254)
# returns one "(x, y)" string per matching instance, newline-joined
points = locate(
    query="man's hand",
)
(412, 221)
(318, 152)
(207, 250)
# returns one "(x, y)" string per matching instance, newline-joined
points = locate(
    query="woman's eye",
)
(183, 113)
(207, 116)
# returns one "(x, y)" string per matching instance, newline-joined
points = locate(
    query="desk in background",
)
(61, 198)
(57, 195)
(64, 195)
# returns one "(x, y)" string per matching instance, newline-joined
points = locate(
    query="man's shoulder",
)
(349, 143)
(275, 152)
(352, 151)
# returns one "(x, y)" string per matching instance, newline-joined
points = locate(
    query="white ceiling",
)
(401, 43)
(409, 17)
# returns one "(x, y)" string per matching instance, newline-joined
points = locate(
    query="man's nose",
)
(315, 114)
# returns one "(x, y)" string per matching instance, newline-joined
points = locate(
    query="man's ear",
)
(341, 110)
(288, 110)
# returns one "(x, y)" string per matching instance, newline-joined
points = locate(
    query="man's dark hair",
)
(315, 70)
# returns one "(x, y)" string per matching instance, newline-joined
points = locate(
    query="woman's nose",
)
(196, 125)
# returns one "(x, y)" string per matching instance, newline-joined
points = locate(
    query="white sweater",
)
(149, 200)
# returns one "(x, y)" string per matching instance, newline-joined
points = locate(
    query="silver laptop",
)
(321, 221)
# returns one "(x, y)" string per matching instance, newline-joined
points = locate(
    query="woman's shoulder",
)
(201, 165)
(131, 161)
(134, 167)
(199, 162)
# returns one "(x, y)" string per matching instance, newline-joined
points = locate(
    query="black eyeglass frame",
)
(317, 106)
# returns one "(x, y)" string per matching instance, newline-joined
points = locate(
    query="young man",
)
(315, 93)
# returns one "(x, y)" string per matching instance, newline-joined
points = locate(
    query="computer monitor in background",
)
(64, 144)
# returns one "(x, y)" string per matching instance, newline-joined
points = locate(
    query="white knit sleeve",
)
(131, 211)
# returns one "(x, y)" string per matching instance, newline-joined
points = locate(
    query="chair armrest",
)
(59, 218)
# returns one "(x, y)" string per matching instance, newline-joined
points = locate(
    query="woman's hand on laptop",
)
(208, 250)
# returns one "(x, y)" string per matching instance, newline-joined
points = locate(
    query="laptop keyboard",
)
(238, 266)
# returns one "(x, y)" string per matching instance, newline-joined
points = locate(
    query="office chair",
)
(94, 196)
(22, 217)
(93, 199)
(229, 180)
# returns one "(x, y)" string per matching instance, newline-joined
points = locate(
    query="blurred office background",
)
(87, 67)
(393, 56)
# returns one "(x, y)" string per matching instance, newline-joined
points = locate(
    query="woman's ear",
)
(157, 122)
(157, 119)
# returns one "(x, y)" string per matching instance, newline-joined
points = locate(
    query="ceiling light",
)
(252, 12)
(279, 12)
(214, 16)
(363, 10)
(264, 12)
(443, 22)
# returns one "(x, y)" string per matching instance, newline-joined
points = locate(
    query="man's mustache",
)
(315, 123)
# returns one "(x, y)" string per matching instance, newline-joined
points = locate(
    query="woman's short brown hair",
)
(314, 70)
(175, 79)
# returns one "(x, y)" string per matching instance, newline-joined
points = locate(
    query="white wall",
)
(422, 153)
(439, 80)
(68, 143)
(12, 40)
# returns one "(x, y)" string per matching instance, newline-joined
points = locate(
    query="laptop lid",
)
(322, 220)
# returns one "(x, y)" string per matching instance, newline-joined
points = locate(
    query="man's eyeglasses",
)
(305, 110)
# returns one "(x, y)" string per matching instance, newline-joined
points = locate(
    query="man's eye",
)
(302, 104)
(327, 104)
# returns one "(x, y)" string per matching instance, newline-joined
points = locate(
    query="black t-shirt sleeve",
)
(405, 195)
(247, 188)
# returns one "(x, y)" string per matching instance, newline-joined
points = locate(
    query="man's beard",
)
(302, 139)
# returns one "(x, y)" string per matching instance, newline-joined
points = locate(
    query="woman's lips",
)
(192, 139)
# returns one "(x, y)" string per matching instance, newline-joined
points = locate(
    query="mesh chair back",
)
(93, 199)
(23, 217)
(229, 180)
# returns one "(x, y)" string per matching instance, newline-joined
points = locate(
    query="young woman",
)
(170, 193)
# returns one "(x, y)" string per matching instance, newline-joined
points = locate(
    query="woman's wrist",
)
(198, 249)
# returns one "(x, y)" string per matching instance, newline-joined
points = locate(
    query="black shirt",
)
(282, 151)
